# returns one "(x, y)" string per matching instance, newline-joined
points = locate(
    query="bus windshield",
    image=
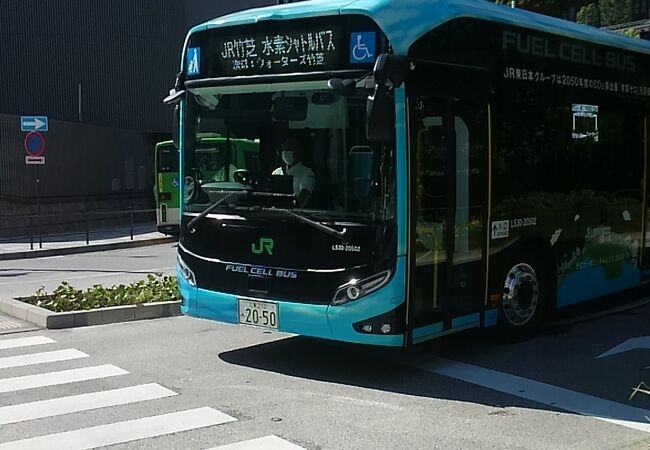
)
(167, 159)
(211, 162)
(306, 151)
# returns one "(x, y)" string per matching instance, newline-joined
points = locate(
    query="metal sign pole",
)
(34, 144)
(38, 207)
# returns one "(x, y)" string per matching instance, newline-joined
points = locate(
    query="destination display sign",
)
(318, 48)
(283, 47)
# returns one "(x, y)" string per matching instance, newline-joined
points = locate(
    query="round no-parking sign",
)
(34, 143)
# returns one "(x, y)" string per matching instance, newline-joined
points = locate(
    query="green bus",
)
(213, 158)
(167, 187)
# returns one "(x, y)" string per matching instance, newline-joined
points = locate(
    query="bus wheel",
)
(523, 300)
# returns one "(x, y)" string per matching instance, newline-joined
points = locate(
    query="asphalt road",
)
(459, 392)
(184, 383)
(19, 278)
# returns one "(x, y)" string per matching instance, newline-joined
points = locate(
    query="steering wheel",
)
(243, 176)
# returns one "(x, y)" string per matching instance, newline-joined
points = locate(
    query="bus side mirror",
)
(345, 87)
(380, 116)
(174, 97)
(380, 106)
(176, 126)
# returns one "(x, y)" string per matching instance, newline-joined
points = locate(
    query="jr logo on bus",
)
(265, 245)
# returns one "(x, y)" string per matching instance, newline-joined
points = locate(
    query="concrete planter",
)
(53, 320)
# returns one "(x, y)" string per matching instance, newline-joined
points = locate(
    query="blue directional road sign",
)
(33, 123)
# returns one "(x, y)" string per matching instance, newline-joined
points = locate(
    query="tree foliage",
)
(606, 13)
(591, 12)
(597, 13)
(589, 15)
(557, 8)
(613, 12)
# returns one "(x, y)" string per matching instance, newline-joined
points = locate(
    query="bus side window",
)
(431, 170)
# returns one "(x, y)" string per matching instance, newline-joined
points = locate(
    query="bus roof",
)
(404, 21)
(162, 144)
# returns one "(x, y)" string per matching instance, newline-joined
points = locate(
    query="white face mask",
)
(287, 157)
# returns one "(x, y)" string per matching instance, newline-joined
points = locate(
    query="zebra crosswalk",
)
(25, 342)
(82, 402)
(40, 358)
(127, 431)
(119, 432)
(60, 377)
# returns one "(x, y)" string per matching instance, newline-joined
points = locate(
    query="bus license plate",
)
(259, 314)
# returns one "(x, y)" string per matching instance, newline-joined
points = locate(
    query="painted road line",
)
(24, 342)
(265, 443)
(41, 358)
(547, 394)
(83, 402)
(120, 432)
(642, 342)
(60, 377)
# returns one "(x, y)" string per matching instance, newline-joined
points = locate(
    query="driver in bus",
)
(304, 180)
(217, 166)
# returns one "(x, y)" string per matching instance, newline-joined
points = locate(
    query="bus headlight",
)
(356, 289)
(186, 271)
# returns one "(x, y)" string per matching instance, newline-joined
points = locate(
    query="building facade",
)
(99, 71)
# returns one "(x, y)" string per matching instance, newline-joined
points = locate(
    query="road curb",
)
(85, 248)
(56, 320)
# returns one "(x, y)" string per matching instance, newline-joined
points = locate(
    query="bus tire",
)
(525, 297)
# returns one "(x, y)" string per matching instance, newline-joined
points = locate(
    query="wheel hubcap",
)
(520, 294)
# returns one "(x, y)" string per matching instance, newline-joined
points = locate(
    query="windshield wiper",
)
(342, 235)
(208, 210)
(344, 215)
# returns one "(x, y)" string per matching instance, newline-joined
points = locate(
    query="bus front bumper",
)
(319, 321)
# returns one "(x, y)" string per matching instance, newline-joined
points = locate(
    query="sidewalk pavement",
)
(69, 243)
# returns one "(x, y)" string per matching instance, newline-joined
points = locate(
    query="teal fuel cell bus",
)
(212, 154)
(425, 166)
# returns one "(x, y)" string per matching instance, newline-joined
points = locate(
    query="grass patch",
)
(154, 288)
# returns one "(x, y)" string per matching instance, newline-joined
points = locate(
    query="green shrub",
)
(154, 288)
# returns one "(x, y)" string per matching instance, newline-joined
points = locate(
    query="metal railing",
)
(86, 223)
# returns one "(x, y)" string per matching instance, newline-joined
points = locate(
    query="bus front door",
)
(447, 152)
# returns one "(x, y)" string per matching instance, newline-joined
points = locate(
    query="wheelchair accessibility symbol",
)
(175, 182)
(362, 47)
